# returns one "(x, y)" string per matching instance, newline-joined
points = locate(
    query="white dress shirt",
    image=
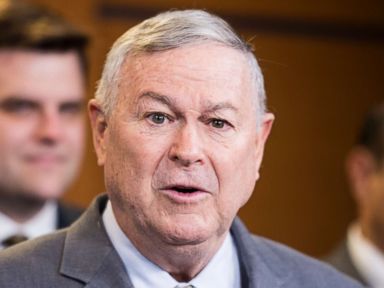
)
(368, 259)
(222, 271)
(42, 223)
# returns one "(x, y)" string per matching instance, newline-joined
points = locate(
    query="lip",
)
(175, 194)
(44, 160)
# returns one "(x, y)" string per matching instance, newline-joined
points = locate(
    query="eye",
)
(72, 108)
(219, 123)
(158, 118)
(18, 106)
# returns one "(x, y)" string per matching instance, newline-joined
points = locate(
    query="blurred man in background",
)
(361, 255)
(42, 69)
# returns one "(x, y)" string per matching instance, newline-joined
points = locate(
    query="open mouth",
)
(184, 193)
(183, 189)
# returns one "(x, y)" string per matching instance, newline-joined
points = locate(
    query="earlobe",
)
(99, 127)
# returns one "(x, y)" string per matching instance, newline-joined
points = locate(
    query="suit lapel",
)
(110, 274)
(89, 256)
(260, 267)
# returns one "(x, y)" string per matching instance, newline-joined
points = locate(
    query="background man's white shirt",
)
(42, 223)
(368, 259)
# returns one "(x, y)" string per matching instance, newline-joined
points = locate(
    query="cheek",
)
(15, 138)
(237, 174)
(373, 204)
(75, 135)
(15, 135)
(237, 163)
(131, 160)
(379, 195)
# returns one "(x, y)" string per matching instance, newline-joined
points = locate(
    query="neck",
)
(182, 259)
(182, 262)
(375, 234)
(20, 208)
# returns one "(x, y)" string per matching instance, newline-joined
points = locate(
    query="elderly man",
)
(361, 255)
(179, 124)
(41, 120)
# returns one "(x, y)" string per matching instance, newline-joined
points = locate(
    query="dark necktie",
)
(13, 240)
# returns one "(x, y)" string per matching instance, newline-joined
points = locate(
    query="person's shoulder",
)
(340, 258)
(303, 270)
(67, 214)
(27, 262)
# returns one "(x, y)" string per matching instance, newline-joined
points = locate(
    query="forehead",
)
(40, 75)
(203, 72)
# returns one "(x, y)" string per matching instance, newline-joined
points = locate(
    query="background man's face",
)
(372, 207)
(41, 122)
(182, 152)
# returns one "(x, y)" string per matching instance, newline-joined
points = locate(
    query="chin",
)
(189, 238)
(188, 232)
(45, 193)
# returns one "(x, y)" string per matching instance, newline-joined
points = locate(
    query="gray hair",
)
(170, 30)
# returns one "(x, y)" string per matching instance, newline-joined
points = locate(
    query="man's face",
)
(41, 122)
(372, 208)
(181, 149)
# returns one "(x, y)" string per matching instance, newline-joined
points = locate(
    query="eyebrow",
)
(80, 102)
(12, 100)
(15, 99)
(221, 106)
(170, 103)
(157, 97)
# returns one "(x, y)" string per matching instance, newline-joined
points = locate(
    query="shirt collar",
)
(223, 270)
(42, 223)
(368, 259)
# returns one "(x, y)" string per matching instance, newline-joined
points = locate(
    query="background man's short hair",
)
(371, 135)
(170, 30)
(29, 27)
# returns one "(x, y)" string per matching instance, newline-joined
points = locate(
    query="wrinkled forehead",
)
(205, 69)
(206, 56)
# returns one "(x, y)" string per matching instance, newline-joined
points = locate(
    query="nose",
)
(187, 147)
(49, 128)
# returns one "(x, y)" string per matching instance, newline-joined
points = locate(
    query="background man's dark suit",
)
(340, 258)
(67, 214)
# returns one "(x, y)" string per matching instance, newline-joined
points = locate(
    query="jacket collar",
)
(260, 264)
(88, 254)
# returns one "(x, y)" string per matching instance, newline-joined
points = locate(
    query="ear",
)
(99, 127)
(261, 138)
(360, 166)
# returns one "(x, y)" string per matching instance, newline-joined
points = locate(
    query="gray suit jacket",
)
(340, 258)
(83, 256)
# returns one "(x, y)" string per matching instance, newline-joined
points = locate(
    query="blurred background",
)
(323, 64)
